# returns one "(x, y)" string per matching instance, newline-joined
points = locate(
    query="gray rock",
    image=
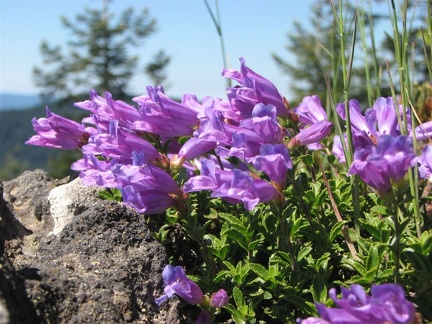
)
(68, 200)
(103, 267)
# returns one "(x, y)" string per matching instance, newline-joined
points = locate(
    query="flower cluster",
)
(159, 151)
(383, 153)
(177, 283)
(238, 146)
(385, 304)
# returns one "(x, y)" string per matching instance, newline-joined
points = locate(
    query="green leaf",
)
(303, 253)
(237, 237)
(336, 230)
(379, 210)
(233, 220)
(373, 259)
(319, 289)
(239, 300)
(260, 271)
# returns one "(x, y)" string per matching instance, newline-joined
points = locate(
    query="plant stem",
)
(286, 235)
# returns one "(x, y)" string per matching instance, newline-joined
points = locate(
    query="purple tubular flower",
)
(312, 134)
(399, 153)
(161, 115)
(107, 108)
(358, 122)
(147, 202)
(425, 163)
(119, 143)
(145, 176)
(205, 317)
(232, 186)
(253, 89)
(59, 132)
(389, 161)
(385, 304)
(310, 110)
(264, 123)
(145, 187)
(371, 169)
(385, 116)
(424, 131)
(196, 146)
(176, 282)
(94, 172)
(219, 299)
(274, 161)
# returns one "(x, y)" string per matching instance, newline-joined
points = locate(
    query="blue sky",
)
(252, 29)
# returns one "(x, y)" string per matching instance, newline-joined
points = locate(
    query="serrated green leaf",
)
(237, 237)
(372, 260)
(260, 271)
(379, 210)
(355, 265)
(239, 300)
(233, 220)
(419, 262)
(319, 289)
(303, 253)
(336, 230)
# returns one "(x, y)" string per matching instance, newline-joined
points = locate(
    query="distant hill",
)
(16, 101)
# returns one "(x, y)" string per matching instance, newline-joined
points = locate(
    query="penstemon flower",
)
(177, 283)
(253, 89)
(59, 132)
(425, 163)
(386, 163)
(232, 186)
(385, 304)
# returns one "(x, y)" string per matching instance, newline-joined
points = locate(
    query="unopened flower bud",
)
(219, 299)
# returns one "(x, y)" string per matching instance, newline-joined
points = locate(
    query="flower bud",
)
(219, 299)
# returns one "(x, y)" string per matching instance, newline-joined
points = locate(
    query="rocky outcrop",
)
(70, 257)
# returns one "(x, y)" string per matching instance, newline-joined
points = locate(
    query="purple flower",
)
(312, 134)
(119, 143)
(385, 304)
(253, 89)
(264, 123)
(161, 115)
(219, 299)
(388, 161)
(147, 201)
(176, 282)
(424, 131)
(425, 163)
(106, 108)
(95, 172)
(274, 161)
(145, 187)
(58, 132)
(212, 131)
(205, 317)
(384, 115)
(232, 186)
(310, 110)
(358, 122)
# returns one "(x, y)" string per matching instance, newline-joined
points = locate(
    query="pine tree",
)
(97, 54)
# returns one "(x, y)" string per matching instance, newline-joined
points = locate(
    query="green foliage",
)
(111, 194)
(318, 56)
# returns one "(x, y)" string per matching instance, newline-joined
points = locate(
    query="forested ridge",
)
(16, 128)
